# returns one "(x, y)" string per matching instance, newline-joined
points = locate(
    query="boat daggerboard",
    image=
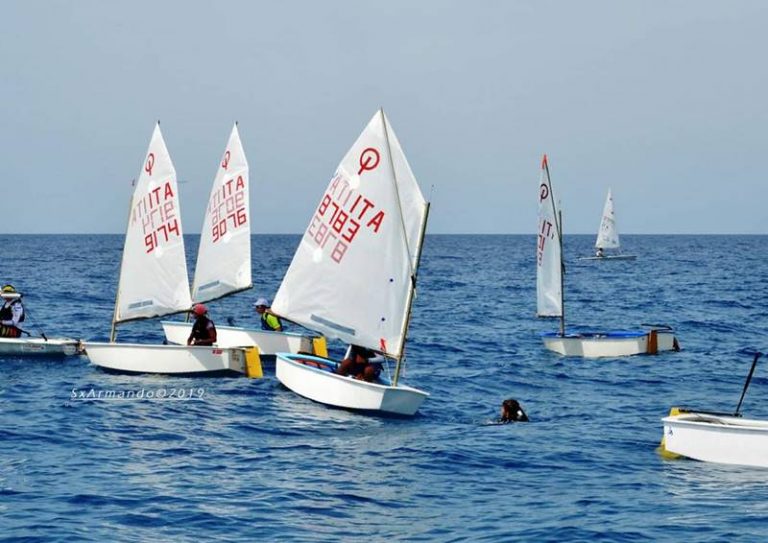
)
(549, 292)
(224, 257)
(153, 272)
(608, 235)
(351, 276)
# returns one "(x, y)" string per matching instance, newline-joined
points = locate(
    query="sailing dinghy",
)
(550, 273)
(608, 235)
(224, 258)
(353, 276)
(153, 280)
(34, 346)
(723, 438)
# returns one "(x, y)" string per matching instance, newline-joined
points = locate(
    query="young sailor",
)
(269, 321)
(361, 363)
(11, 313)
(203, 329)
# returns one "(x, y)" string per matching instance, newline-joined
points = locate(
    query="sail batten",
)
(549, 291)
(153, 273)
(224, 258)
(352, 273)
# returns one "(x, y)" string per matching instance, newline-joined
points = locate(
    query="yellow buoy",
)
(253, 363)
(662, 448)
(320, 347)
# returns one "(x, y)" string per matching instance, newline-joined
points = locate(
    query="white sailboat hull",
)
(609, 344)
(39, 347)
(328, 388)
(715, 438)
(268, 342)
(165, 359)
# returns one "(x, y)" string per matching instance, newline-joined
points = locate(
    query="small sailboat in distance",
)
(608, 235)
(550, 286)
(353, 276)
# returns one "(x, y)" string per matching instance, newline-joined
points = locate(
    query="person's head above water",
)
(512, 411)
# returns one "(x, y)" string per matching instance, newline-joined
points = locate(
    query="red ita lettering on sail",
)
(342, 214)
(227, 208)
(157, 213)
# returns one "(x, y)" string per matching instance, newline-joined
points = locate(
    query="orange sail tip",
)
(544, 161)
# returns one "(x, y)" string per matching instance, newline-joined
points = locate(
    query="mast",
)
(414, 272)
(113, 330)
(562, 274)
(411, 291)
(558, 214)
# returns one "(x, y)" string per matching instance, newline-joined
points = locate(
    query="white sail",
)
(153, 273)
(608, 235)
(549, 292)
(351, 276)
(224, 258)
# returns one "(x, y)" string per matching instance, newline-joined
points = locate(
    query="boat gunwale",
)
(611, 334)
(382, 384)
(703, 420)
(246, 330)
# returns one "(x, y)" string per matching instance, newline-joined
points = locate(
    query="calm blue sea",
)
(247, 460)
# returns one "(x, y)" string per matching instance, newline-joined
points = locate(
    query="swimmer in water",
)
(512, 411)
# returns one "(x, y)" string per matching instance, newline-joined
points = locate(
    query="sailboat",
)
(30, 345)
(724, 438)
(153, 279)
(224, 258)
(353, 276)
(608, 235)
(550, 286)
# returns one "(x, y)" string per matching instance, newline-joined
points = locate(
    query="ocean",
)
(247, 460)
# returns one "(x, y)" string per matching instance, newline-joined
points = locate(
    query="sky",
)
(665, 102)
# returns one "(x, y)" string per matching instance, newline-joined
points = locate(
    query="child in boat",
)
(203, 329)
(360, 364)
(512, 411)
(11, 312)
(269, 321)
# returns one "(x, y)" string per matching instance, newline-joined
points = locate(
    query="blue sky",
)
(664, 102)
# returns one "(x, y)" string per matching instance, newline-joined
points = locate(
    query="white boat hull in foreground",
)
(610, 344)
(268, 342)
(717, 438)
(39, 346)
(165, 359)
(317, 382)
